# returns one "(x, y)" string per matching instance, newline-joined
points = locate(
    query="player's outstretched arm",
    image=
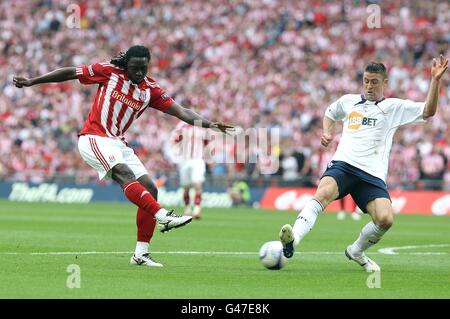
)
(437, 70)
(58, 75)
(327, 133)
(193, 118)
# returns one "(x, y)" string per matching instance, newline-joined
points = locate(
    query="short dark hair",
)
(376, 67)
(138, 51)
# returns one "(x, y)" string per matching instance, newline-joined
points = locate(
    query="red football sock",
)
(198, 198)
(342, 204)
(187, 199)
(138, 195)
(145, 223)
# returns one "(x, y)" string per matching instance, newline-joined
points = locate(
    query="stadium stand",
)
(251, 63)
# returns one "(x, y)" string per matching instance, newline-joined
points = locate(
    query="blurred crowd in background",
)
(253, 63)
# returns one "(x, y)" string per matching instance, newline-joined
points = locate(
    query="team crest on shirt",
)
(142, 96)
(112, 158)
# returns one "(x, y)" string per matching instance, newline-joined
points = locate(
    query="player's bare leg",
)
(382, 214)
(197, 200)
(187, 200)
(290, 237)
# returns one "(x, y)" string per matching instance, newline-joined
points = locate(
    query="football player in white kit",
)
(360, 165)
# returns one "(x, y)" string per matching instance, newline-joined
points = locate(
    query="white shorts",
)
(103, 153)
(192, 171)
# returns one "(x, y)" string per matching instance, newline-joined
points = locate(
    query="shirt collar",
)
(364, 100)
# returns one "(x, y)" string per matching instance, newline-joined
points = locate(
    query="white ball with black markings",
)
(271, 255)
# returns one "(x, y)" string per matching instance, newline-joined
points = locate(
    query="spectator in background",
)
(432, 168)
(240, 193)
(259, 63)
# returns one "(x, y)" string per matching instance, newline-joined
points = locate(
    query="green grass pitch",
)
(215, 257)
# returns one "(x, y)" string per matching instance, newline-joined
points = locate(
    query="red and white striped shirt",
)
(118, 101)
(188, 141)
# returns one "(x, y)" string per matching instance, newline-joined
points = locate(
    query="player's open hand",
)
(21, 81)
(438, 68)
(224, 128)
(326, 139)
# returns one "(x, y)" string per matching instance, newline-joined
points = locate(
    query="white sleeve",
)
(407, 112)
(336, 111)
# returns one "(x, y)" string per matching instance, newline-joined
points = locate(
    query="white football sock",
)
(370, 235)
(160, 214)
(306, 219)
(141, 248)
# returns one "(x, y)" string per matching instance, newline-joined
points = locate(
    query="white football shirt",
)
(368, 129)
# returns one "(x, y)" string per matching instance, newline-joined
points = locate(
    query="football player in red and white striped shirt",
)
(188, 145)
(124, 92)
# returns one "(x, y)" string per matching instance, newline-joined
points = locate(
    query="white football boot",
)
(144, 260)
(368, 264)
(287, 239)
(171, 221)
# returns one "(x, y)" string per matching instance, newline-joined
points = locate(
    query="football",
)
(271, 255)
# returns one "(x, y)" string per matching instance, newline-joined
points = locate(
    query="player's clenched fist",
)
(21, 81)
(326, 139)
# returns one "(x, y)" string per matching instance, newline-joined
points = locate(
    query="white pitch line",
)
(82, 253)
(392, 250)
(161, 252)
(382, 251)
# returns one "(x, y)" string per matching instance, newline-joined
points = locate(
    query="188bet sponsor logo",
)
(356, 119)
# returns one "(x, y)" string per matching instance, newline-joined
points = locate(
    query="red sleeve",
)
(160, 100)
(94, 74)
